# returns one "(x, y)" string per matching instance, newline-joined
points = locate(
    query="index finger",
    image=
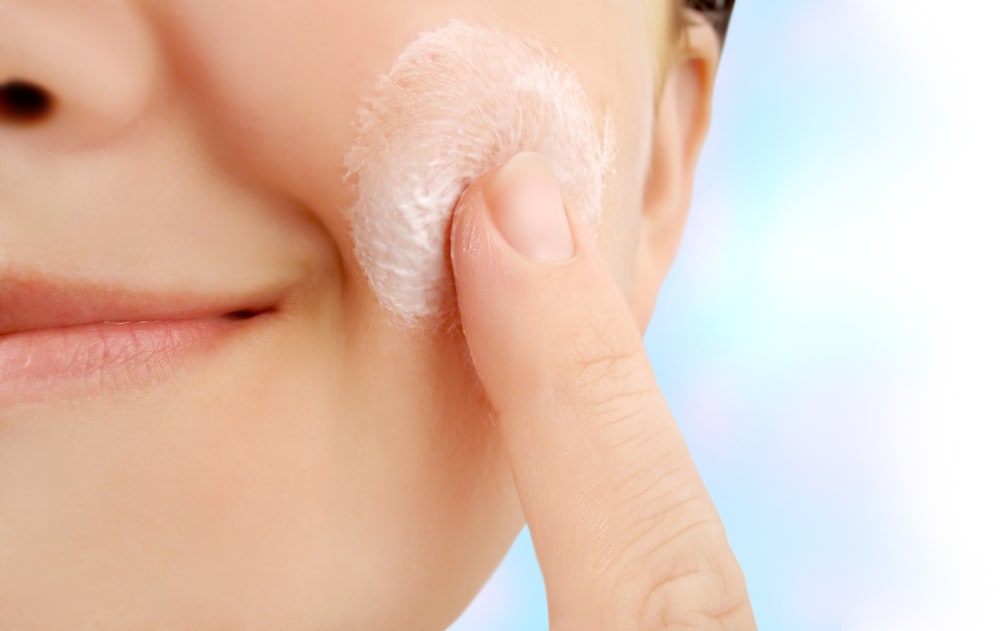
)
(625, 532)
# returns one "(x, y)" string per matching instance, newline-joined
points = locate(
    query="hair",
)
(667, 20)
(717, 13)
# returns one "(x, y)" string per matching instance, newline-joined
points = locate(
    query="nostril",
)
(23, 102)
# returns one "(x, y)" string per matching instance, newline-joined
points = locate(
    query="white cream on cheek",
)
(458, 101)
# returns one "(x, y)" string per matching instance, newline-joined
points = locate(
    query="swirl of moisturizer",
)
(458, 101)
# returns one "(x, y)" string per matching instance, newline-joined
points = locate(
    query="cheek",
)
(622, 222)
(458, 101)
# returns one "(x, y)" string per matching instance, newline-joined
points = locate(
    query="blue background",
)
(828, 337)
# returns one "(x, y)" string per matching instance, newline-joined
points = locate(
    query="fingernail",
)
(526, 205)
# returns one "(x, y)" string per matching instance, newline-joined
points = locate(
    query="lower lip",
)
(101, 358)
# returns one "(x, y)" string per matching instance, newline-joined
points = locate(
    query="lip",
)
(70, 338)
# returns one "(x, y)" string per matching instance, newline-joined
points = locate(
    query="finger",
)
(625, 532)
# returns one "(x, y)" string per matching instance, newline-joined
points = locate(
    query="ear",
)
(682, 119)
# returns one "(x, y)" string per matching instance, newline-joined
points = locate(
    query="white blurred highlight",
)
(935, 236)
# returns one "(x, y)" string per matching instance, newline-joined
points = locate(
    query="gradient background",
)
(828, 336)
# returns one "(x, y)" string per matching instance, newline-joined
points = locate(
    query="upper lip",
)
(30, 302)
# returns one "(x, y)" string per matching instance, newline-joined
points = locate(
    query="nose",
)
(72, 74)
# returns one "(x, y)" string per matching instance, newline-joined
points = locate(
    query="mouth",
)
(60, 339)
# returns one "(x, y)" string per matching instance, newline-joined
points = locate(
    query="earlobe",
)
(682, 119)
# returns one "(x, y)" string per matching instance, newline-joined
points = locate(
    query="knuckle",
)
(690, 580)
(609, 376)
(675, 570)
(601, 347)
(717, 609)
(619, 404)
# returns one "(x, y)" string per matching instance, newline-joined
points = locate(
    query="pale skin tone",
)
(324, 467)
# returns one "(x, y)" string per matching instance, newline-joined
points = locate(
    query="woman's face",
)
(275, 449)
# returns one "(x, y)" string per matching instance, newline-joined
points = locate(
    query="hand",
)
(626, 534)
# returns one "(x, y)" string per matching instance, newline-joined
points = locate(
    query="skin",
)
(327, 468)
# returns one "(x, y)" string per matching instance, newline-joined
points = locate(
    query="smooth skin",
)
(324, 468)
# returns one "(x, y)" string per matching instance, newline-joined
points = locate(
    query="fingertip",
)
(525, 203)
(521, 202)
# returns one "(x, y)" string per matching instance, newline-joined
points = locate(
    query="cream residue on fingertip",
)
(458, 101)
